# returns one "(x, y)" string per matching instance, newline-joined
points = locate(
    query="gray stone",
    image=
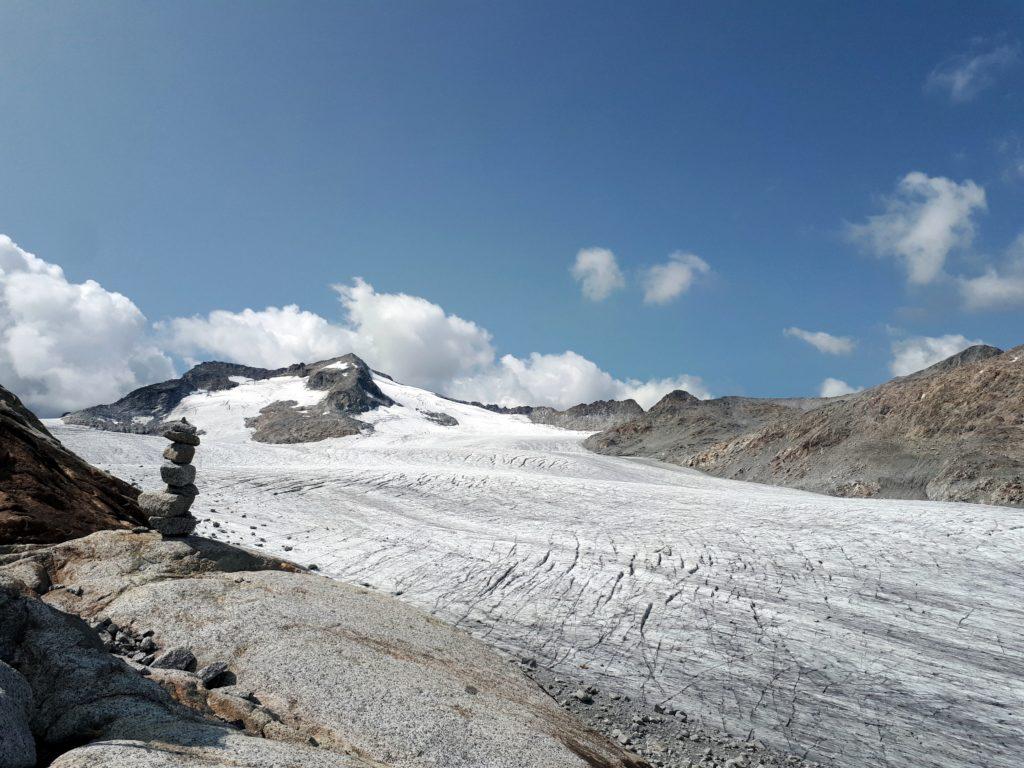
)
(17, 746)
(159, 504)
(177, 474)
(182, 490)
(179, 453)
(181, 432)
(175, 658)
(211, 672)
(174, 526)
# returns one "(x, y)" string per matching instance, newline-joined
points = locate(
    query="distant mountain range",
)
(952, 432)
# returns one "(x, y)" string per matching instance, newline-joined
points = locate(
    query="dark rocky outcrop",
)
(350, 390)
(951, 432)
(47, 493)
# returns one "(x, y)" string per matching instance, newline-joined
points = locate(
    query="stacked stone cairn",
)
(168, 510)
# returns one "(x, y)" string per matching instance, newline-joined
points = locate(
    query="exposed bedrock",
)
(365, 678)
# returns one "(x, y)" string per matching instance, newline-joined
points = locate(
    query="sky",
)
(526, 202)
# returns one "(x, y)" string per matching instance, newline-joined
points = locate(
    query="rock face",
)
(585, 417)
(679, 425)
(366, 679)
(47, 493)
(952, 432)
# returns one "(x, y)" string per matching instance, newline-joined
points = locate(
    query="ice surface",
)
(871, 633)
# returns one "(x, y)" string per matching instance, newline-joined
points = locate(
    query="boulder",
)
(175, 658)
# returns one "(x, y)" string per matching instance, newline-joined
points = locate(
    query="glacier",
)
(857, 632)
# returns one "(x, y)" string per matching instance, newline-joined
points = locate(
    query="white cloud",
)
(664, 282)
(415, 341)
(963, 77)
(918, 352)
(562, 380)
(823, 342)
(925, 220)
(67, 345)
(835, 387)
(598, 273)
(997, 288)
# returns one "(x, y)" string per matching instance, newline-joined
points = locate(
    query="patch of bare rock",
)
(952, 432)
(47, 493)
(127, 649)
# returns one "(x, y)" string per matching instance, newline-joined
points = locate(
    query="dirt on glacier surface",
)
(851, 632)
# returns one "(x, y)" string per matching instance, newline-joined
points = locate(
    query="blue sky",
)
(222, 156)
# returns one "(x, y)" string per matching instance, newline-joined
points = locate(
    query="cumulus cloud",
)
(918, 352)
(563, 380)
(598, 273)
(823, 342)
(1000, 288)
(924, 221)
(415, 341)
(963, 77)
(835, 387)
(66, 345)
(664, 282)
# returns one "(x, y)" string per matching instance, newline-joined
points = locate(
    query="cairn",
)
(168, 510)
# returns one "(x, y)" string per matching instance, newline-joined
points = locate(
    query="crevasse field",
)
(866, 633)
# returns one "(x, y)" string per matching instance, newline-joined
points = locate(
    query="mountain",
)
(585, 417)
(305, 402)
(47, 493)
(951, 432)
(680, 424)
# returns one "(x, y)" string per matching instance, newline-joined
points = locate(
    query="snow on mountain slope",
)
(871, 633)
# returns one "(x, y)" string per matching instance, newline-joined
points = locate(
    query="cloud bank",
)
(598, 273)
(823, 342)
(415, 341)
(918, 352)
(924, 221)
(64, 345)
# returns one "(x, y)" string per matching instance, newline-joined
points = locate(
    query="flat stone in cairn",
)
(165, 504)
(173, 526)
(181, 432)
(182, 490)
(179, 453)
(177, 474)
